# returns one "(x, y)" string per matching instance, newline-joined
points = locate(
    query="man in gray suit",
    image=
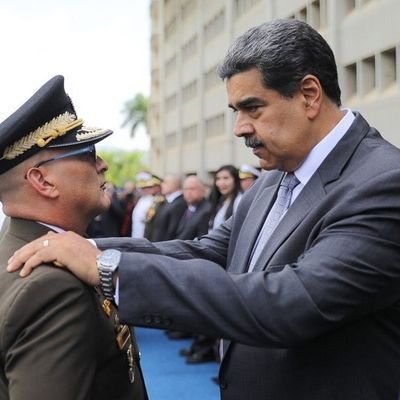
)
(316, 314)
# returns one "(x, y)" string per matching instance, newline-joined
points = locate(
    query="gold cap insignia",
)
(41, 136)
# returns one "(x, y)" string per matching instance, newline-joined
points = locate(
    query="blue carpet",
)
(167, 375)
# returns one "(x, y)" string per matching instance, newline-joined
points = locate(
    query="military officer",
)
(247, 176)
(59, 338)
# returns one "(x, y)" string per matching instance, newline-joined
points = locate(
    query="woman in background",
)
(225, 194)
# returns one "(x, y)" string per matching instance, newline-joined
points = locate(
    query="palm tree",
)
(136, 113)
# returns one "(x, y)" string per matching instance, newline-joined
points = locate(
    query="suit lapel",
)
(311, 195)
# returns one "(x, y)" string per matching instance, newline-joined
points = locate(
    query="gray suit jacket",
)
(319, 317)
(55, 340)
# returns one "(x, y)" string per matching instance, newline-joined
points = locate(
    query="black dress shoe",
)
(200, 357)
(186, 352)
(178, 335)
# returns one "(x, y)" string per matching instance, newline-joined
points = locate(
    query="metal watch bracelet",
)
(106, 284)
(107, 264)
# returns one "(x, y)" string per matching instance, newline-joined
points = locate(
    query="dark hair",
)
(284, 51)
(216, 197)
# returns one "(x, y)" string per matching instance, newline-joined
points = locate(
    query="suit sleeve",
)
(50, 336)
(213, 247)
(348, 270)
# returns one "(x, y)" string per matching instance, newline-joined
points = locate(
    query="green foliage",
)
(136, 111)
(123, 165)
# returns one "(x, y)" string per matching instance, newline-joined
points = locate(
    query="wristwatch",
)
(107, 264)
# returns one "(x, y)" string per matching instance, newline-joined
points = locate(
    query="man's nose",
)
(101, 165)
(242, 126)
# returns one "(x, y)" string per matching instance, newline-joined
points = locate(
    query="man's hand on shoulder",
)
(65, 250)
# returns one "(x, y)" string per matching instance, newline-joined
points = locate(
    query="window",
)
(349, 5)
(315, 14)
(170, 102)
(350, 76)
(170, 139)
(215, 126)
(211, 78)
(241, 6)
(189, 91)
(190, 134)
(189, 48)
(302, 14)
(388, 67)
(188, 8)
(368, 75)
(214, 26)
(170, 28)
(170, 65)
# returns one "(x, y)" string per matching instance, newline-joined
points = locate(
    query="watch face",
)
(110, 259)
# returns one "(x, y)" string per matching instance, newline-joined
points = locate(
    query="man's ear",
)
(41, 183)
(312, 92)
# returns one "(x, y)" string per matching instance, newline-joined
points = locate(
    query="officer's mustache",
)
(252, 142)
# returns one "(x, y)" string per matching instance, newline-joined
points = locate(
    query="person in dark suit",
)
(194, 222)
(164, 224)
(59, 338)
(108, 224)
(310, 311)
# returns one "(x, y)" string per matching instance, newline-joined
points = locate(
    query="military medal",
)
(106, 304)
(123, 335)
(124, 341)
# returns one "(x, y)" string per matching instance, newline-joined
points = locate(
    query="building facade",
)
(190, 124)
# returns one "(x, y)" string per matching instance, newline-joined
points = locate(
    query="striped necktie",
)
(282, 203)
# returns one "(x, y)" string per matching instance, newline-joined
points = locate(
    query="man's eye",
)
(252, 109)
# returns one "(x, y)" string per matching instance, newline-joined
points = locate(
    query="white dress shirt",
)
(318, 154)
(139, 215)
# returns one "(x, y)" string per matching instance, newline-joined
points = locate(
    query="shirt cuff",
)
(116, 294)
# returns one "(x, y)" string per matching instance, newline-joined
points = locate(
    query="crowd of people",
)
(172, 207)
(175, 207)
